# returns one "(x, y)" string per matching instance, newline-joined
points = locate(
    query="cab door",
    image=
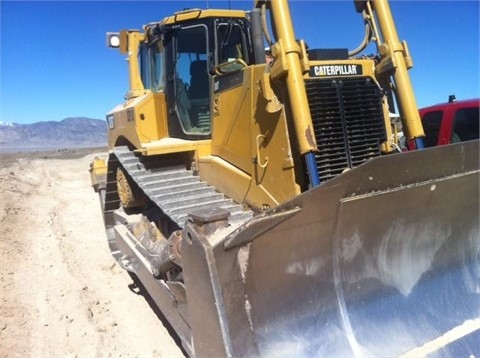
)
(232, 98)
(189, 83)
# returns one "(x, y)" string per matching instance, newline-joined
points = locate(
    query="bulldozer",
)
(265, 205)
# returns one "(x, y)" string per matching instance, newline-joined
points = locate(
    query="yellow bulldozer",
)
(264, 204)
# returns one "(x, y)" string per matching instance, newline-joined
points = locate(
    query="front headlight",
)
(113, 39)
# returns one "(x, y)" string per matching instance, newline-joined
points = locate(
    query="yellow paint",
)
(250, 156)
(396, 61)
(243, 110)
(192, 14)
(98, 172)
(175, 145)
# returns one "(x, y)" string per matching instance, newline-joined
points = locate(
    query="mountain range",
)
(70, 132)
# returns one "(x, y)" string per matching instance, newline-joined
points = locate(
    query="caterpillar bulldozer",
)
(266, 207)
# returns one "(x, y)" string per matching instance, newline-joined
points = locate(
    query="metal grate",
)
(348, 122)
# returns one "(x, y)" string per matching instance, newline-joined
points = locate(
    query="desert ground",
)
(62, 294)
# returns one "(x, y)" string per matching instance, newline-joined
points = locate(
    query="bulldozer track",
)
(176, 190)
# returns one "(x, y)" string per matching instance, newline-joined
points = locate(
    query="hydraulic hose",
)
(366, 39)
(312, 169)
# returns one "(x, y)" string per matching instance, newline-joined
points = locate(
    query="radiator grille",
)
(348, 122)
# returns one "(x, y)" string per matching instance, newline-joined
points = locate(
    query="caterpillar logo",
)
(336, 70)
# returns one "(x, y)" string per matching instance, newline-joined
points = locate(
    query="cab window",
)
(191, 79)
(231, 46)
(431, 125)
(230, 40)
(465, 125)
(151, 66)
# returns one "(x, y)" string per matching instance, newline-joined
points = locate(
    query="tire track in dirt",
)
(62, 293)
(15, 314)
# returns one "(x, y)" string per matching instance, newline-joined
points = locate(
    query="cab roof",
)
(475, 102)
(191, 14)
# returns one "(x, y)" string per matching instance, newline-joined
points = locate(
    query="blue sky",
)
(54, 62)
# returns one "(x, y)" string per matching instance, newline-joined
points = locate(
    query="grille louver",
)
(348, 122)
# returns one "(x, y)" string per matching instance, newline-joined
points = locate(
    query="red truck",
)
(451, 122)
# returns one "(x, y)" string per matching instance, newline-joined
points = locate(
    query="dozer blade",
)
(381, 261)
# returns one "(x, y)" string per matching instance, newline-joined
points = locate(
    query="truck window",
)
(465, 125)
(151, 66)
(431, 125)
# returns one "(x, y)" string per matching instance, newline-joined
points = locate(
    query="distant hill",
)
(70, 132)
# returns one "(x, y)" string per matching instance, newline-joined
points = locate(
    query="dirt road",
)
(61, 292)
